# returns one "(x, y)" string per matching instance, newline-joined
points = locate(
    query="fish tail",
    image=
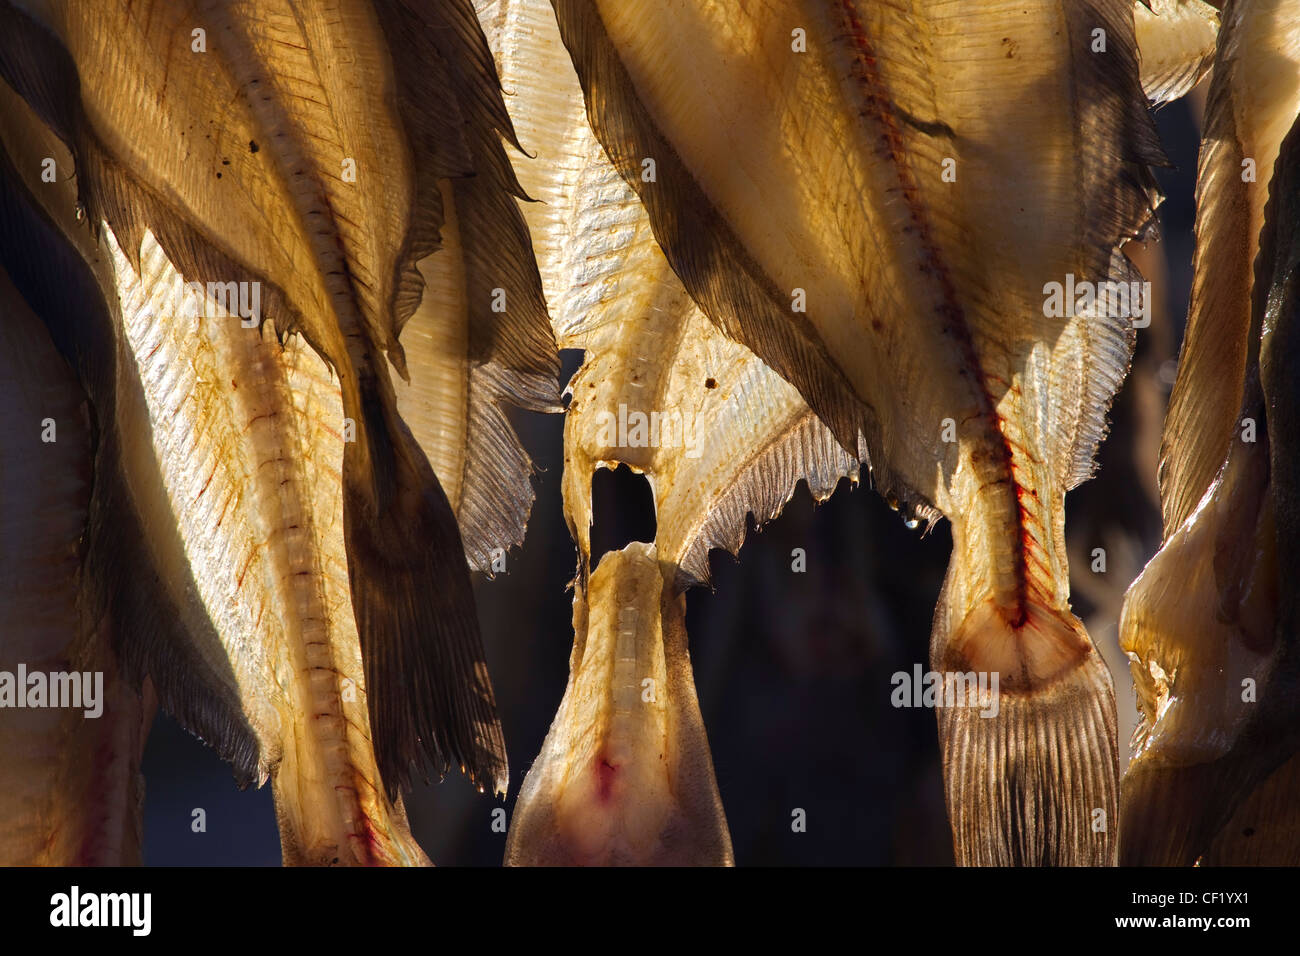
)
(625, 777)
(1031, 770)
(427, 685)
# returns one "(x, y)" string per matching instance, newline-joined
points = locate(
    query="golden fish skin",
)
(814, 174)
(227, 130)
(111, 609)
(213, 558)
(1176, 40)
(1254, 95)
(726, 438)
(250, 461)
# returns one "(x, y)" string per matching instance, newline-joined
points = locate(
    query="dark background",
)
(792, 670)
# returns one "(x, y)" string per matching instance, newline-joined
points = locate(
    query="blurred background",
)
(792, 670)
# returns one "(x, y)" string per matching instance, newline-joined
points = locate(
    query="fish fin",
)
(614, 295)
(497, 494)
(761, 485)
(1216, 604)
(1201, 608)
(1242, 131)
(437, 140)
(510, 358)
(437, 48)
(514, 362)
(426, 678)
(1119, 190)
(1024, 785)
(395, 512)
(1087, 379)
(457, 411)
(39, 68)
(1176, 40)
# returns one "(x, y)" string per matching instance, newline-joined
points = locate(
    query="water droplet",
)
(911, 524)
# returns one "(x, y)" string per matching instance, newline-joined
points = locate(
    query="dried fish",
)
(1211, 624)
(228, 131)
(216, 543)
(251, 461)
(876, 201)
(73, 731)
(76, 781)
(1254, 95)
(625, 774)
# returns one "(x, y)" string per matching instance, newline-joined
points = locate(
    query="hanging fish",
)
(251, 462)
(886, 206)
(1210, 624)
(625, 775)
(1253, 97)
(480, 339)
(215, 545)
(74, 778)
(233, 133)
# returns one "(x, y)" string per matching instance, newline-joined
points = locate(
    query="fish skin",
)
(133, 599)
(747, 208)
(241, 182)
(462, 379)
(474, 355)
(1216, 608)
(1265, 829)
(649, 347)
(737, 442)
